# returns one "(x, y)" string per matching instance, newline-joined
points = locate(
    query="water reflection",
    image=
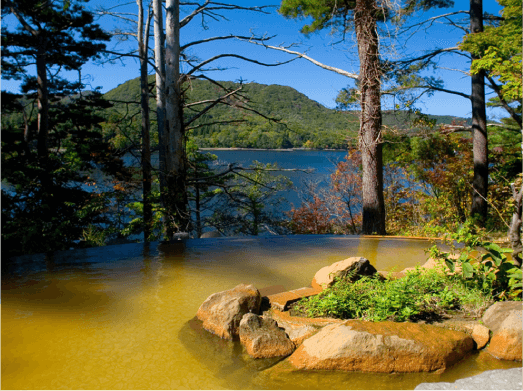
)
(121, 317)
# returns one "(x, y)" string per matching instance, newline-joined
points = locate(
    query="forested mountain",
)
(290, 119)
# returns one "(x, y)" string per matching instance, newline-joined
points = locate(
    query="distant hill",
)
(301, 122)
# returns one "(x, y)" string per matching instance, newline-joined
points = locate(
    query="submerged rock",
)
(222, 312)
(262, 338)
(325, 276)
(382, 347)
(505, 320)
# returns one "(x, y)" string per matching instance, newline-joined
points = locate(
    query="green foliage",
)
(297, 118)
(94, 236)
(68, 36)
(47, 204)
(482, 264)
(440, 165)
(301, 122)
(498, 49)
(419, 295)
(324, 13)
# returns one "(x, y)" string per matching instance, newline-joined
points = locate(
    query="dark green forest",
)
(262, 116)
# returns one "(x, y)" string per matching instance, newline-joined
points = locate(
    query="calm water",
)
(322, 164)
(121, 317)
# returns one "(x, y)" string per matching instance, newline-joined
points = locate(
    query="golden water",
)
(121, 317)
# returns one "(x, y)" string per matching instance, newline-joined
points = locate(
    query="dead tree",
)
(515, 226)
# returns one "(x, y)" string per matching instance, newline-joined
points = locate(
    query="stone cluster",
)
(354, 345)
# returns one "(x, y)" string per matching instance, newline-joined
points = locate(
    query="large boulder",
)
(504, 319)
(358, 265)
(222, 312)
(382, 347)
(262, 338)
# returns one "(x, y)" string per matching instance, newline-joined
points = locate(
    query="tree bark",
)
(479, 126)
(515, 226)
(175, 196)
(159, 59)
(146, 141)
(43, 101)
(370, 117)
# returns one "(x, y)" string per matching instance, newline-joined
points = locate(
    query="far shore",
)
(269, 149)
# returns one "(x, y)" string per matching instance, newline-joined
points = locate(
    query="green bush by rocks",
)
(421, 294)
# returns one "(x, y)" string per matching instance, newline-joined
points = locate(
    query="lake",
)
(321, 163)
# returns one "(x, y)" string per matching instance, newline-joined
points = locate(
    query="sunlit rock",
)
(382, 347)
(262, 338)
(282, 300)
(479, 333)
(222, 312)
(325, 276)
(505, 320)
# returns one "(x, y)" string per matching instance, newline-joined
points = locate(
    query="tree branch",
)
(315, 62)
(515, 116)
(223, 37)
(203, 63)
(214, 103)
(22, 21)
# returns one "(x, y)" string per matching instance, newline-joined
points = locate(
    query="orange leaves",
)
(119, 187)
(311, 218)
(332, 209)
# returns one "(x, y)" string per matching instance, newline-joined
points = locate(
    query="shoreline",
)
(269, 149)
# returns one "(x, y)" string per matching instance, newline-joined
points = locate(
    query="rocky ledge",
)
(353, 345)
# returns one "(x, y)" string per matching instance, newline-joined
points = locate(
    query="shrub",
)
(421, 294)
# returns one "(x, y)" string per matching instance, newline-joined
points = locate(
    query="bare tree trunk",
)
(370, 117)
(43, 102)
(159, 59)
(175, 196)
(515, 226)
(143, 38)
(479, 125)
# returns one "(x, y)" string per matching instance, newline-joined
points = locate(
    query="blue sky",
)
(318, 84)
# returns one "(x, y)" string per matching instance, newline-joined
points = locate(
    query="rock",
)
(298, 328)
(262, 338)
(222, 312)
(497, 312)
(382, 347)
(498, 379)
(211, 234)
(431, 263)
(181, 235)
(325, 276)
(504, 319)
(479, 333)
(297, 332)
(281, 300)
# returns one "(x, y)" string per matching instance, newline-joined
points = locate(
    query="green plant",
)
(482, 264)
(94, 236)
(421, 294)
